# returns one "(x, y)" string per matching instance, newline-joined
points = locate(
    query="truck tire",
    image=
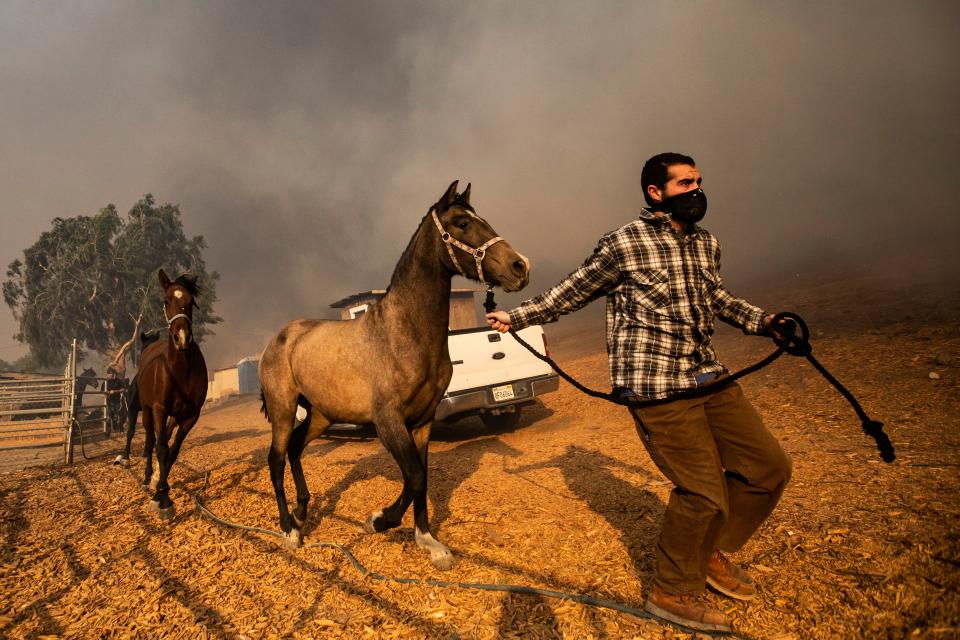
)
(501, 421)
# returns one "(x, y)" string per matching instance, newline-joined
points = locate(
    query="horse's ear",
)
(164, 280)
(450, 196)
(465, 196)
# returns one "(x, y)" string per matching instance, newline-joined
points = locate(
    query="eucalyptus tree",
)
(94, 278)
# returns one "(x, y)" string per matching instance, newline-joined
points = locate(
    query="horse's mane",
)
(147, 337)
(458, 202)
(189, 283)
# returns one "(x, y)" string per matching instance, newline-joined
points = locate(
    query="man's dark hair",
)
(656, 171)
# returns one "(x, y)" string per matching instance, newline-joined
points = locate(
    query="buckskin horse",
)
(389, 367)
(171, 387)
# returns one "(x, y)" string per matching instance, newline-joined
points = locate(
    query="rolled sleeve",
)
(739, 313)
(596, 275)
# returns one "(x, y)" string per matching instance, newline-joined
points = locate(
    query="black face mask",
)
(689, 207)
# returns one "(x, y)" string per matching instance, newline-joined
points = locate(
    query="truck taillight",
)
(546, 349)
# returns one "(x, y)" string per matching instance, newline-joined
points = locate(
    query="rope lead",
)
(789, 342)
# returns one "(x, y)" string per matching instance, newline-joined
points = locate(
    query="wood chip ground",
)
(567, 501)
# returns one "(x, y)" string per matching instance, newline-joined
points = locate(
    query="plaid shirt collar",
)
(663, 222)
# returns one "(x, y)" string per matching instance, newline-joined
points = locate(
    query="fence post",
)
(106, 418)
(70, 384)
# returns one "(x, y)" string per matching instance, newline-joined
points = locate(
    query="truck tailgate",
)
(483, 357)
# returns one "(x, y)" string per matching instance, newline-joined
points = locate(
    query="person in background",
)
(114, 387)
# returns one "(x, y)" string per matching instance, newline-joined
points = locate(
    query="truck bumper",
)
(476, 400)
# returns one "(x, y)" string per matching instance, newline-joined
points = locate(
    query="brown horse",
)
(132, 398)
(389, 367)
(171, 387)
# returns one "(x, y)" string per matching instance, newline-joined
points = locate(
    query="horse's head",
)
(473, 248)
(87, 378)
(178, 303)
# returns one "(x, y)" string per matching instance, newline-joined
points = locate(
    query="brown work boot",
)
(728, 578)
(685, 611)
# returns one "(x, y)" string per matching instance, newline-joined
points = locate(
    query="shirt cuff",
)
(754, 324)
(519, 319)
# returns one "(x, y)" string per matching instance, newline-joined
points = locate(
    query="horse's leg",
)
(165, 504)
(161, 495)
(183, 429)
(405, 447)
(441, 556)
(396, 439)
(149, 438)
(133, 408)
(295, 447)
(305, 433)
(282, 419)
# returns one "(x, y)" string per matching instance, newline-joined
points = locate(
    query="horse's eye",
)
(463, 224)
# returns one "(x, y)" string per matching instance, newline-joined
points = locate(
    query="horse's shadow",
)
(447, 471)
(628, 507)
(225, 435)
(472, 427)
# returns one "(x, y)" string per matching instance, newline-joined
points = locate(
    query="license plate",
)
(503, 393)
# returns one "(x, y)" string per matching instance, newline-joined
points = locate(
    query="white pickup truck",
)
(494, 375)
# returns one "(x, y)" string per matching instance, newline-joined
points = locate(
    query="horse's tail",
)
(263, 405)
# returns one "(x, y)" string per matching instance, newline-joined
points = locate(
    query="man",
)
(114, 386)
(660, 275)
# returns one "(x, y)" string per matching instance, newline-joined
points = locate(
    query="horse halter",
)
(179, 315)
(478, 253)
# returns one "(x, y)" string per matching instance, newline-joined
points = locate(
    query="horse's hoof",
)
(376, 523)
(121, 460)
(153, 506)
(293, 540)
(444, 561)
(167, 514)
(440, 556)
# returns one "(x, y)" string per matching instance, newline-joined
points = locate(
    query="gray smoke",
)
(306, 140)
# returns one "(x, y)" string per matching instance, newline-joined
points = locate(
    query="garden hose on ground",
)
(583, 599)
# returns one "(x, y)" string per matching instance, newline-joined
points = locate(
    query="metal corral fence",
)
(42, 419)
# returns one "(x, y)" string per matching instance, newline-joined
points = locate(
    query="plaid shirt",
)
(663, 292)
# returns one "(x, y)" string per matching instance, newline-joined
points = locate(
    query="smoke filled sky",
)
(306, 140)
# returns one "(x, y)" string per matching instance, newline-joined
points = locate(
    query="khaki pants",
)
(729, 473)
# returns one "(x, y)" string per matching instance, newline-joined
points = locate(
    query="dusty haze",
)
(305, 142)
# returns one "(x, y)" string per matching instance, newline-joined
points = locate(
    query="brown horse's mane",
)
(189, 283)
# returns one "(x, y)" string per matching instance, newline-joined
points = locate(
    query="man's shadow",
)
(631, 509)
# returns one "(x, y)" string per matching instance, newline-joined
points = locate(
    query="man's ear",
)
(654, 192)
